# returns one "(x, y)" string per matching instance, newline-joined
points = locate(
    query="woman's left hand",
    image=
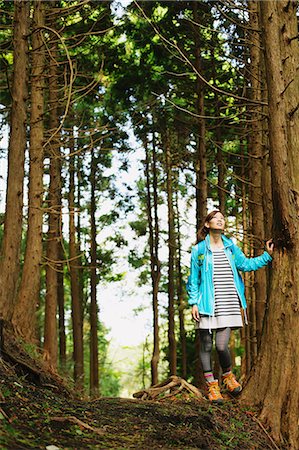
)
(270, 246)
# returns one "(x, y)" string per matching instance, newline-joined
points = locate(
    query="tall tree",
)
(61, 309)
(201, 184)
(201, 160)
(94, 356)
(10, 251)
(24, 315)
(256, 151)
(54, 213)
(275, 370)
(179, 287)
(77, 314)
(172, 351)
(153, 224)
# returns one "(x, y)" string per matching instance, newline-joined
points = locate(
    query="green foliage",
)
(139, 226)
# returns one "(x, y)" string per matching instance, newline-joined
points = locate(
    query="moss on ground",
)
(31, 414)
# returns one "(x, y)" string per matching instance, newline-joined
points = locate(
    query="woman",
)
(216, 292)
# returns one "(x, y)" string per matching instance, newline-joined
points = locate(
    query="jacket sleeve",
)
(194, 279)
(248, 264)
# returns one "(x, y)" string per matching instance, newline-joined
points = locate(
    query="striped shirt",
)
(227, 311)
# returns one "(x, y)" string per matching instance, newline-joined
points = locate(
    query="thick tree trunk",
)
(152, 203)
(10, 251)
(277, 368)
(74, 275)
(94, 356)
(201, 189)
(256, 163)
(54, 222)
(24, 315)
(171, 254)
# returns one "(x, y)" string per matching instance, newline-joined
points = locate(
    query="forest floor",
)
(39, 412)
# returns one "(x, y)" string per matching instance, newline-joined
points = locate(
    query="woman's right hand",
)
(195, 313)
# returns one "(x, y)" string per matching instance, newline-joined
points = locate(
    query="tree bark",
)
(220, 160)
(180, 295)
(277, 369)
(221, 171)
(152, 204)
(24, 315)
(256, 163)
(245, 332)
(10, 251)
(201, 189)
(78, 164)
(201, 159)
(54, 221)
(61, 312)
(171, 253)
(74, 275)
(94, 357)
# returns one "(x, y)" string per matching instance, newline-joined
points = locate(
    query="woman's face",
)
(216, 223)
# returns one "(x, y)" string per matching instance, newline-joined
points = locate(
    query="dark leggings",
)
(206, 345)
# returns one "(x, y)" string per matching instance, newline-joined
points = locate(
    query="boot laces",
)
(214, 390)
(231, 381)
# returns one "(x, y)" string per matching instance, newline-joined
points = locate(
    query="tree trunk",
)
(171, 253)
(78, 164)
(10, 251)
(221, 171)
(24, 315)
(61, 312)
(277, 370)
(256, 163)
(152, 203)
(245, 332)
(180, 295)
(74, 275)
(219, 142)
(201, 160)
(201, 190)
(54, 227)
(94, 357)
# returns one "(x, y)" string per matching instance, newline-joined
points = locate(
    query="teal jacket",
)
(200, 286)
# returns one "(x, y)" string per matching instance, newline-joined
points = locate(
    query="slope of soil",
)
(36, 414)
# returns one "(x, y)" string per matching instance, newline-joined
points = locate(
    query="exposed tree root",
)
(14, 356)
(78, 422)
(169, 389)
(264, 430)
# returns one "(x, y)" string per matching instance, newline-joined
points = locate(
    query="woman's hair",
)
(204, 231)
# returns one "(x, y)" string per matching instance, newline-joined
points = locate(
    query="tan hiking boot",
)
(231, 384)
(214, 393)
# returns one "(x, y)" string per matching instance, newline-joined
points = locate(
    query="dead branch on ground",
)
(171, 388)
